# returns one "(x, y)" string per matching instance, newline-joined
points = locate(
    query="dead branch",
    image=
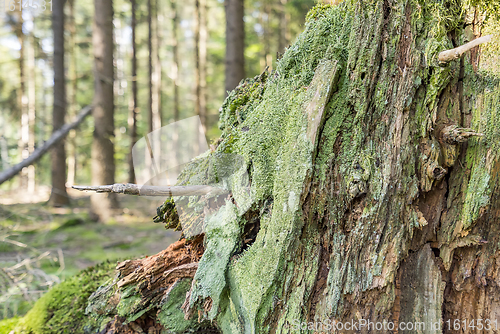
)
(134, 189)
(453, 135)
(449, 55)
(39, 152)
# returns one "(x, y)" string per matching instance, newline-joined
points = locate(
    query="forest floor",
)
(40, 245)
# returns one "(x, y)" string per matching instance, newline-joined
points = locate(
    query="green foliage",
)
(62, 309)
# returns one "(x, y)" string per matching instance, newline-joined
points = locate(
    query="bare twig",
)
(134, 189)
(39, 152)
(449, 55)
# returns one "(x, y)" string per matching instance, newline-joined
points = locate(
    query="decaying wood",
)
(134, 189)
(152, 278)
(158, 272)
(38, 153)
(142, 325)
(449, 55)
(453, 134)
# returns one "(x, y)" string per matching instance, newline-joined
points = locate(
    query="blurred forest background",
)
(142, 64)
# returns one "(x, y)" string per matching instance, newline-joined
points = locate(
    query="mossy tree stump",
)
(361, 207)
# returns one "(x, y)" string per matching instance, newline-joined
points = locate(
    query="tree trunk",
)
(103, 164)
(235, 43)
(72, 107)
(197, 87)
(175, 52)
(22, 102)
(133, 106)
(267, 58)
(157, 116)
(283, 30)
(31, 106)
(154, 119)
(200, 50)
(373, 199)
(150, 66)
(203, 63)
(58, 196)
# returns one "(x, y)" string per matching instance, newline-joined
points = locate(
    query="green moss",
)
(318, 11)
(7, 325)
(62, 308)
(241, 100)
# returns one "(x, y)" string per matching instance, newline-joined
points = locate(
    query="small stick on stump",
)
(449, 55)
(134, 189)
(453, 135)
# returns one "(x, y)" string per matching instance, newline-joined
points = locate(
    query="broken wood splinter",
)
(134, 189)
(453, 134)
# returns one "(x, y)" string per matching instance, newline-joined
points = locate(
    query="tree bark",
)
(22, 102)
(175, 54)
(72, 102)
(133, 106)
(150, 66)
(31, 106)
(200, 60)
(235, 43)
(200, 42)
(103, 164)
(203, 18)
(58, 196)
(157, 71)
(266, 35)
(283, 30)
(154, 119)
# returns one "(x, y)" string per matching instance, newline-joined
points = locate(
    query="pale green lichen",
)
(222, 234)
(171, 315)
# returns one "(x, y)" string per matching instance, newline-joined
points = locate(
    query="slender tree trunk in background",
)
(72, 107)
(283, 31)
(154, 65)
(235, 43)
(197, 57)
(150, 67)
(31, 106)
(132, 121)
(103, 164)
(22, 103)
(157, 71)
(175, 51)
(200, 102)
(58, 196)
(268, 58)
(203, 63)
(175, 73)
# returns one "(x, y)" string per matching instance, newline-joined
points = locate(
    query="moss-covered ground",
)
(41, 246)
